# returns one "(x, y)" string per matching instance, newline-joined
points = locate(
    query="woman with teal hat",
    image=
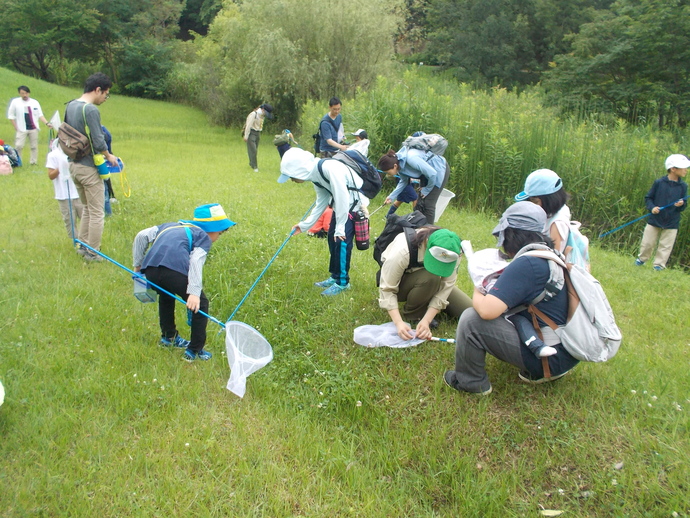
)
(421, 270)
(545, 188)
(175, 262)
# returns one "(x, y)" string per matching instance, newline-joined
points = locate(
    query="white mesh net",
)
(247, 352)
(384, 335)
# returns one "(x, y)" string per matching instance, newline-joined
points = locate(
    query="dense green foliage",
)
(632, 61)
(497, 138)
(285, 52)
(99, 421)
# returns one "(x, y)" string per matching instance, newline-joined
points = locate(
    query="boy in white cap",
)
(361, 142)
(665, 200)
(175, 262)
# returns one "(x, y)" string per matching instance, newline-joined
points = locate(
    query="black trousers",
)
(176, 283)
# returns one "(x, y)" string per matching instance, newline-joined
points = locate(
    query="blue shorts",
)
(408, 194)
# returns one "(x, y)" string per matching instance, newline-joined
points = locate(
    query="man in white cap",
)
(665, 201)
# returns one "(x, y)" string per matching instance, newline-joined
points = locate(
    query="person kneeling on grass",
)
(338, 186)
(175, 262)
(483, 329)
(426, 283)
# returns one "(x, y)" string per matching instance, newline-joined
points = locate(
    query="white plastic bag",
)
(485, 267)
(247, 352)
(384, 335)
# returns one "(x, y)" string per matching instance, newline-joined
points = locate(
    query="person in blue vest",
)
(175, 263)
(331, 130)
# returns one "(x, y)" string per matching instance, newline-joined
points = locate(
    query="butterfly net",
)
(247, 352)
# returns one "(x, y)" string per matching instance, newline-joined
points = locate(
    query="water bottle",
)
(101, 166)
(361, 223)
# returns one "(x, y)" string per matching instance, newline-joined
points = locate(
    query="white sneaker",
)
(547, 351)
(113, 201)
(256, 170)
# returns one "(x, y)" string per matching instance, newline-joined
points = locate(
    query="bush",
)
(497, 138)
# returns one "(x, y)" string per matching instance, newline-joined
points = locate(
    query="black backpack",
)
(395, 225)
(358, 163)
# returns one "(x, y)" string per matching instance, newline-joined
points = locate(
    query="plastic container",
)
(116, 168)
(142, 291)
(442, 203)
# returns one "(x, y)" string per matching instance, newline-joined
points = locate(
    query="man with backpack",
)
(331, 131)
(335, 184)
(82, 114)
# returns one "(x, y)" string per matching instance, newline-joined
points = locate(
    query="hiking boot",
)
(449, 378)
(638, 262)
(190, 356)
(90, 257)
(325, 284)
(524, 376)
(82, 251)
(177, 342)
(335, 289)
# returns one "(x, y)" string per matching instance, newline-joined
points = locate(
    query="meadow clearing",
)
(98, 420)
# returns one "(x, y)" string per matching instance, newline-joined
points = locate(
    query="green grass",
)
(100, 421)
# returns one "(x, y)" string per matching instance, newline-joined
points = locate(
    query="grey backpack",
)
(590, 333)
(433, 142)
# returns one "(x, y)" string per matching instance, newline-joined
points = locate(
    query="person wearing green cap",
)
(422, 274)
(175, 262)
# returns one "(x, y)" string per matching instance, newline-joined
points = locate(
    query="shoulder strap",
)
(410, 234)
(188, 231)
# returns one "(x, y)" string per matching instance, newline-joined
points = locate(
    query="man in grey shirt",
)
(83, 116)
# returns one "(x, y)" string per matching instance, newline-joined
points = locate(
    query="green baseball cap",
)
(442, 253)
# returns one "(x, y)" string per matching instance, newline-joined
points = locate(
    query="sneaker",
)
(546, 351)
(178, 342)
(638, 262)
(190, 356)
(658, 268)
(82, 251)
(90, 257)
(448, 380)
(335, 289)
(256, 170)
(325, 284)
(524, 376)
(113, 201)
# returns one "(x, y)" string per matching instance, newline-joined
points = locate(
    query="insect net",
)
(247, 351)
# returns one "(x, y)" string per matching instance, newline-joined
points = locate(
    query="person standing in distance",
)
(252, 132)
(331, 130)
(25, 112)
(83, 115)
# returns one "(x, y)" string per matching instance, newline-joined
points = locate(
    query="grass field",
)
(98, 420)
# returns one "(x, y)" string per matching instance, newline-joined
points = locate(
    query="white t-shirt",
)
(57, 159)
(18, 107)
(562, 221)
(362, 146)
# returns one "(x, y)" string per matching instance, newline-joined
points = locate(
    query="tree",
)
(485, 41)
(286, 51)
(37, 36)
(632, 60)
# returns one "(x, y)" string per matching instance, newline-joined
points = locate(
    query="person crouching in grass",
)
(175, 262)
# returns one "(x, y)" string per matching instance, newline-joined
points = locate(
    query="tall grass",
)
(497, 138)
(98, 420)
